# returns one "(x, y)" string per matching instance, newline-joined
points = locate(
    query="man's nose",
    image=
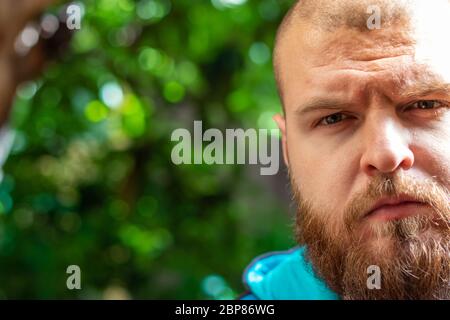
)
(386, 146)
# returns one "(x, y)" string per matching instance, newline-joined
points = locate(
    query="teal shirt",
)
(284, 275)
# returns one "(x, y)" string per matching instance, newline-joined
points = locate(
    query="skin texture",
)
(360, 106)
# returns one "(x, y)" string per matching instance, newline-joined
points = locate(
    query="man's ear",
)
(281, 123)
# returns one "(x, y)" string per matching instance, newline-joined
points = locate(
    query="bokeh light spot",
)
(111, 94)
(259, 53)
(174, 92)
(96, 111)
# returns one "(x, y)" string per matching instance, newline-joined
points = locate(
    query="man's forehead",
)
(423, 35)
(350, 45)
(405, 61)
(400, 72)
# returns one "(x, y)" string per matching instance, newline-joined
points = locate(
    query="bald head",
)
(307, 18)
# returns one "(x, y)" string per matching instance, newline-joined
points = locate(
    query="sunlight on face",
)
(432, 25)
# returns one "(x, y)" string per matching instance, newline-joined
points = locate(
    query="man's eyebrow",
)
(323, 103)
(426, 90)
(320, 103)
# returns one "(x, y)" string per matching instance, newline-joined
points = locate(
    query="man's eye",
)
(425, 104)
(332, 119)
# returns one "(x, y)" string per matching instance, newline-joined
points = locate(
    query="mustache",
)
(427, 191)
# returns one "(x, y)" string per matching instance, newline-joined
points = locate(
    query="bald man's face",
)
(366, 137)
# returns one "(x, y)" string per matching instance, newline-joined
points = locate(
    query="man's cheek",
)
(307, 171)
(433, 155)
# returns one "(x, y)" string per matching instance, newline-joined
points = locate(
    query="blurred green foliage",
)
(90, 182)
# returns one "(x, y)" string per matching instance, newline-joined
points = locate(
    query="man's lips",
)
(395, 208)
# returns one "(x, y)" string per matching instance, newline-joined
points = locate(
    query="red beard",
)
(413, 254)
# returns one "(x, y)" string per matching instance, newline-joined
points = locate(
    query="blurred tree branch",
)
(14, 15)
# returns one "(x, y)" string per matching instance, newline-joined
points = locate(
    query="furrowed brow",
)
(318, 104)
(427, 90)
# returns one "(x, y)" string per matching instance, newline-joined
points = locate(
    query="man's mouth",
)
(387, 209)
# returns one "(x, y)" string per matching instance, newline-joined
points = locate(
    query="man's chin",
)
(411, 254)
(412, 257)
(416, 268)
